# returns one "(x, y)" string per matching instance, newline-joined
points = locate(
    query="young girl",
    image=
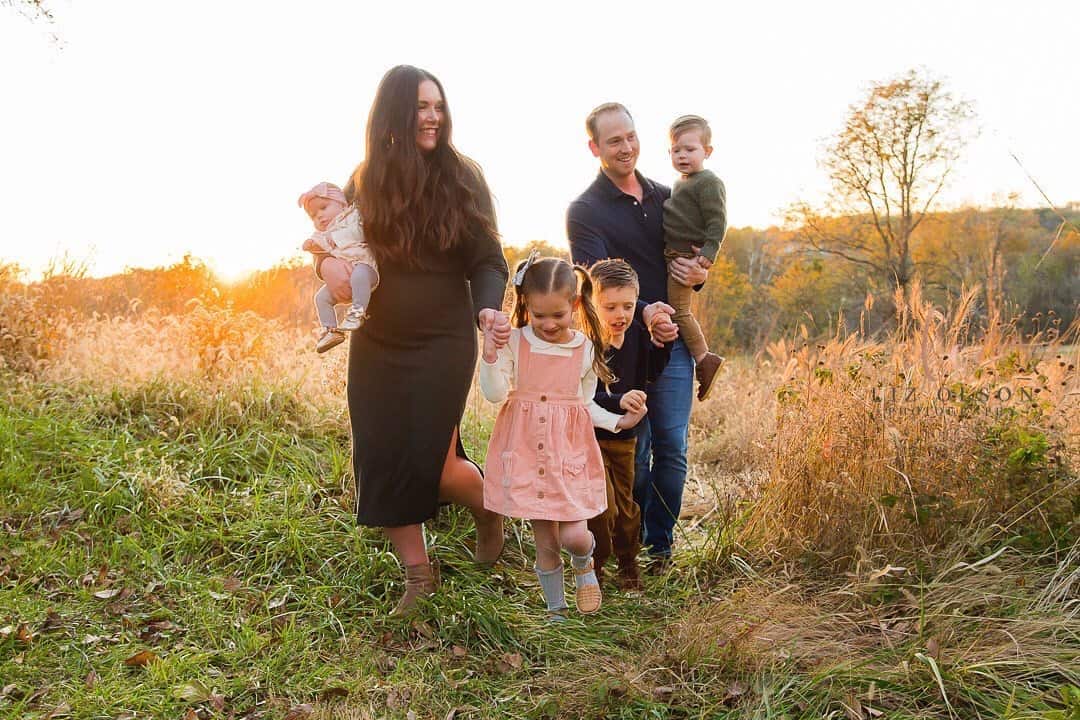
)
(339, 233)
(543, 461)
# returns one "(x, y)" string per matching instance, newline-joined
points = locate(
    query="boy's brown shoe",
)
(629, 578)
(706, 371)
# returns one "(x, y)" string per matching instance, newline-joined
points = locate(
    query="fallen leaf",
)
(411, 715)
(107, 594)
(299, 712)
(23, 633)
(733, 692)
(141, 659)
(332, 693)
(193, 692)
(275, 604)
(424, 629)
(12, 690)
(217, 702)
(5, 632)
(334, 600)
(933, 648)
(513, 660)
(223, 596)
(458, 651)
(664, 691)
(53, 621)
(159, 626)
(91, 679)
(92, 639)
(60, 711)
(231, 584)
(191, 714)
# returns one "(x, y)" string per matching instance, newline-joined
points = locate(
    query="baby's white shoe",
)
(354, 319)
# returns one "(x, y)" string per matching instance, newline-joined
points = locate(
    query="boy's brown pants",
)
(618, 529)
(681, 297)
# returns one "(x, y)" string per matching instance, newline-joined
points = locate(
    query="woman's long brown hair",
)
(411, 201)
(548, 275)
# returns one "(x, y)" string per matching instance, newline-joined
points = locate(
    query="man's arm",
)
(587, 244)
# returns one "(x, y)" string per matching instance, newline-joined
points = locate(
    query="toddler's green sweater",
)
(696, 214)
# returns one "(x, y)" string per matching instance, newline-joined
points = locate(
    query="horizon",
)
(209, 143)
(81, 269)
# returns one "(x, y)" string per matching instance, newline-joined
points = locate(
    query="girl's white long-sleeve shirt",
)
(497, 378)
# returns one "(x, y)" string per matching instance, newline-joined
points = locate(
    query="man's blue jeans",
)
(661, 451)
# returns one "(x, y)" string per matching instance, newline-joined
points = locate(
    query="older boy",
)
(636, 362)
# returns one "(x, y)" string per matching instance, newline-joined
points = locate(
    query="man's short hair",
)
(590, 122)
(691, 122)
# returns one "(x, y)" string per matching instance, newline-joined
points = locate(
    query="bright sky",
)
(160, 128)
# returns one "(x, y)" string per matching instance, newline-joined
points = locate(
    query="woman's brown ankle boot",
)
(420, 582)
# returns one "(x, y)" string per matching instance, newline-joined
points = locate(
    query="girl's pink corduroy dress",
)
(543, 462)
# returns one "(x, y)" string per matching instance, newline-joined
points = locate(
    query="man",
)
(621, 216)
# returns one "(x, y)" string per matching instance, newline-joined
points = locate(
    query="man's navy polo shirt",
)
(604, 222)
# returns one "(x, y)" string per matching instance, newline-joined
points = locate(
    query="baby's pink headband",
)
(326, 190)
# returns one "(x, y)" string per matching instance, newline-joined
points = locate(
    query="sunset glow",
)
(156, 130)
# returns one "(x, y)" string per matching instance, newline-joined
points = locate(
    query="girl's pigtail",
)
(520, 315)
(590, 324)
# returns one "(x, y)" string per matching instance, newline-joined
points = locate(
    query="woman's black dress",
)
(410, 368)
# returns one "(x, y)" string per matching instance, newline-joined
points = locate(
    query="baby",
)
(339, 233)
(695, 220)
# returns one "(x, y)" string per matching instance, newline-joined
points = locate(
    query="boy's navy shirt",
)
(604, 222)
(636, 364)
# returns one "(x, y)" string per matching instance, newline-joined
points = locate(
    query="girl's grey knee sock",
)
(580, 562)
(551, 584)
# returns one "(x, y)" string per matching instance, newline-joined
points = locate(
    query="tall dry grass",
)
(897, 447)
(852, 449)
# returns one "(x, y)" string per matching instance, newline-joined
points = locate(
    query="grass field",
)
(175, 503)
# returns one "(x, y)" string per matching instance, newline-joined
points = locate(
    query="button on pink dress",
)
(543, 462)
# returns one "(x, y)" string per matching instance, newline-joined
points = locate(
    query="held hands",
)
(657, 319)
(631, 419)
(704, 262)
(633, 401)
(496, 328)
(689, 271)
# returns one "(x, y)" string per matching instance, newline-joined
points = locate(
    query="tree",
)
(887, 166)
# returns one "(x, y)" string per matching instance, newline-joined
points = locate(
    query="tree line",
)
(845, 264)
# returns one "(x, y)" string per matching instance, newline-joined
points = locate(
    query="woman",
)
(428, 218)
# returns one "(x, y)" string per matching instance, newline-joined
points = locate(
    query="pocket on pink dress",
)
(507, 468)
(574, 467)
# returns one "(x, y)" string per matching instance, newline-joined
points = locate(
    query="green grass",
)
(213, 528)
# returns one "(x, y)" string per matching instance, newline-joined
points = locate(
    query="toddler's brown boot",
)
(706, 371)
